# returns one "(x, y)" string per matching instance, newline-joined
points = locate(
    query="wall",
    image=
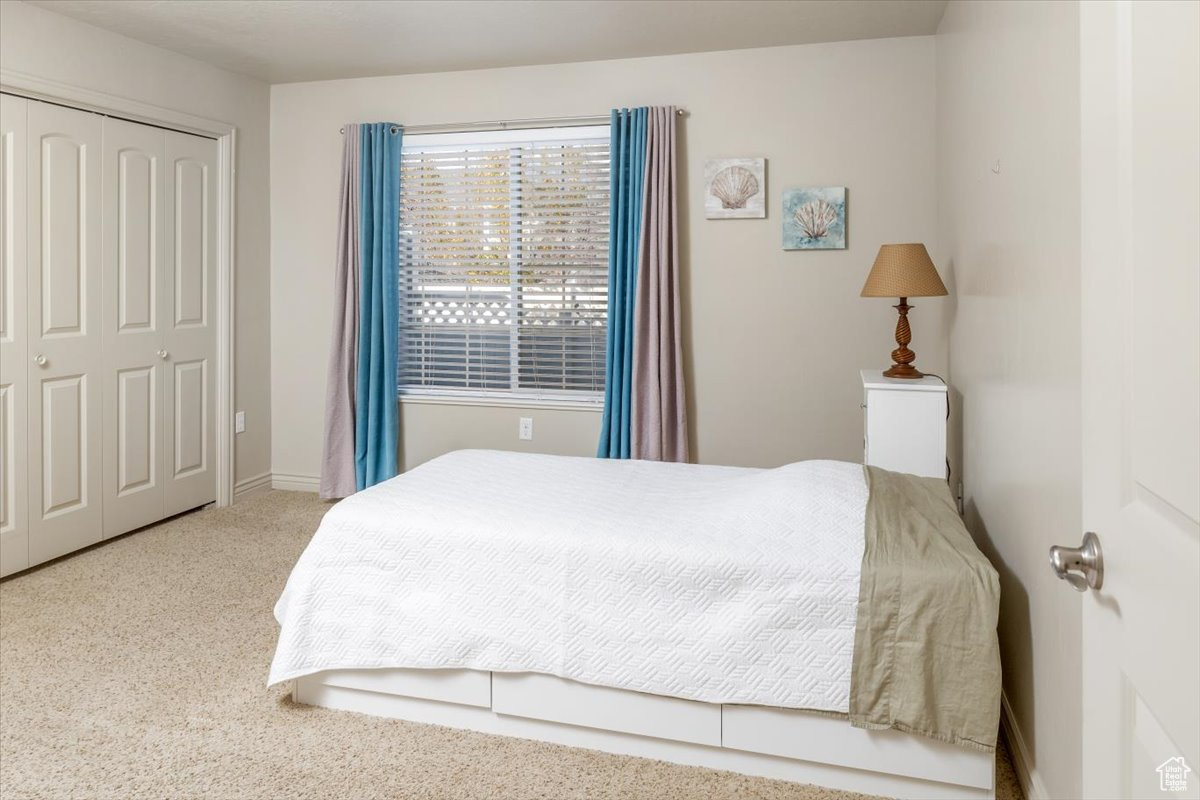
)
(774, 339)
(54, 47)
(1008, 203)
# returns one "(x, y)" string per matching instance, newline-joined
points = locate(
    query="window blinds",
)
(504, 263)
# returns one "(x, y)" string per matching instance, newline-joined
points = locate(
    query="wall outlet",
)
(239, 422)
(525, 428)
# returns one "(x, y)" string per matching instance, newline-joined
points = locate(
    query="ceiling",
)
(281, 41)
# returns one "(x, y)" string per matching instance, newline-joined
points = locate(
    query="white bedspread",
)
(719, 584)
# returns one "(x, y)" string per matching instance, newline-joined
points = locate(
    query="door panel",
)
(134, 372)
(65, 444)
(14, 337)
(64, 274)
(192, 222)
(137, 422)
(136, 193)
(1140, 90)
(190, 417)
(190, 338)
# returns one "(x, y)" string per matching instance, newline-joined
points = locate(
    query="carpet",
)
(137, 669)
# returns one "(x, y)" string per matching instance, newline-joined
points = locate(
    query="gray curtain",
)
(660, 410)
(337, 458)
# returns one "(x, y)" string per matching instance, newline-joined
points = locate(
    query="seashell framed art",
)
(735, 188)
(814, 218)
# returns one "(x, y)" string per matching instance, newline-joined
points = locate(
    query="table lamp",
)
(903, 271)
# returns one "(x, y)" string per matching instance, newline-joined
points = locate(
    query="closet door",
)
(190, 342)
(14, 352)
(64, 310)
(135, 370)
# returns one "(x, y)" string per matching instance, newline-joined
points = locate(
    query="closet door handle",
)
(40, 360)
(163, 354)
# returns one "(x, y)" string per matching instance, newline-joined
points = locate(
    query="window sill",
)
(551, 403)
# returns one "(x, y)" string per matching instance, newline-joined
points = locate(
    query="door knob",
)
(1083, 566)
(162, 353)
(40, 360)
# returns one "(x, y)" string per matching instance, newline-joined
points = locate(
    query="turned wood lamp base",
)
(902, 356)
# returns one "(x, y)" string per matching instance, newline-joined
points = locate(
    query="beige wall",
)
(774, 339)
(54, 47)
(1008, 199)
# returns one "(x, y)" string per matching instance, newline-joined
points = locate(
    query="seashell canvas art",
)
(814, 218)
(735, 188)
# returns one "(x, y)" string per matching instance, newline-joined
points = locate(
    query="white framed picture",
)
(735, 188)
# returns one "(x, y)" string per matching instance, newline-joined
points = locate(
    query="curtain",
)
(376, 413)
(626, 178)
(337, 457)
(645, 414)
(660, 409)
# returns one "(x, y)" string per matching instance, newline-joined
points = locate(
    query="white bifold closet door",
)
(159, 393)
(107, 337)
(14, 349)
(66, 360)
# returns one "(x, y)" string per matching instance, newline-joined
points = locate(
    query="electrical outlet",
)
(525, 428)
(239, 422)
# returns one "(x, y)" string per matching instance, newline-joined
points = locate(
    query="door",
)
(135, 301)
(64, 330)
(14, 352)
(189, 345)
(1140, 91)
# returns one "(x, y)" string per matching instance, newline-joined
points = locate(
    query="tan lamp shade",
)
(903, 270)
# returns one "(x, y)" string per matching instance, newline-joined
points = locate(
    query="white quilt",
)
(720, 584)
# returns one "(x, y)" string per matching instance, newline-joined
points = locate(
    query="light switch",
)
(239, 422)
(525, 428)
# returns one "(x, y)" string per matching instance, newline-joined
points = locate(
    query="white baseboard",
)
(248, 487)
(295, 483)
(1027, 774)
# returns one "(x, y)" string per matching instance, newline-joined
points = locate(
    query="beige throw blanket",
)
(926, 657)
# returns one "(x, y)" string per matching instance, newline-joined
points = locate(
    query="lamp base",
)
(902, 357)
(903, 371)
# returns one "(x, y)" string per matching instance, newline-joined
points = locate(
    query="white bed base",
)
(755, 740)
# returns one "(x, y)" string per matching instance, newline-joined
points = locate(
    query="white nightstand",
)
(904, 424)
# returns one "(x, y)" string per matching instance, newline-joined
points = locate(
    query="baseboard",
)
(295, 483)
(1027, 774)
(248, 487)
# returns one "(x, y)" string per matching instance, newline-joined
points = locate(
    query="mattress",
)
(717, 584)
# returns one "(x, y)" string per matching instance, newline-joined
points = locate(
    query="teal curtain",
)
(377, 420)
(626, 182)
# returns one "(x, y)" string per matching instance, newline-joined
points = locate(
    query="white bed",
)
(690, 613)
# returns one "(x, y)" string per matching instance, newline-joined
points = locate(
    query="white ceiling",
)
(302, 40)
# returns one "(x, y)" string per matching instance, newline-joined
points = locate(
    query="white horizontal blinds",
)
(504, 262)
(562, 266)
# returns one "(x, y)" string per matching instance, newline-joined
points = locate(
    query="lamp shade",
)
(903, 270)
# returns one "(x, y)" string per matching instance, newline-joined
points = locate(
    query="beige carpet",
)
(137, 669)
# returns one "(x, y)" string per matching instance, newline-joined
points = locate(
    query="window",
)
(504, 263)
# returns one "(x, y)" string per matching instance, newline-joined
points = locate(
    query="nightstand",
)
(904, 424)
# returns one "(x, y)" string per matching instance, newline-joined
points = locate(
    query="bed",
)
(820, 622)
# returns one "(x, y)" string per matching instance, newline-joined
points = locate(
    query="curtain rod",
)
(533, 122)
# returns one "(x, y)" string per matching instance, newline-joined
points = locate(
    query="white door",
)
(64, 325)
(14, 352)
(190, 337)
(1140, 83)
(134, 340)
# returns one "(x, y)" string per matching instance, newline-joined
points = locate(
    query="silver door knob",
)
(1083, 566)
(162, 353)
(40, 360)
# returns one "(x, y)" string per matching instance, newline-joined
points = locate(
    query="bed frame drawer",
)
(463, 686)
(546, 697)
(807, 736)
